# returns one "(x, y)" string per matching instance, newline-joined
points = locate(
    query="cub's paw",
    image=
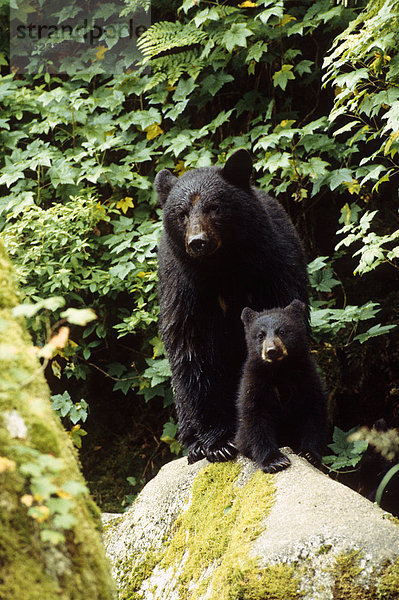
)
(311, 456)
(275, 462)
(222, 453)
(195, 453)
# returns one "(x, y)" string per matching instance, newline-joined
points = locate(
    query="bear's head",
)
(278, 334)
(201, 206)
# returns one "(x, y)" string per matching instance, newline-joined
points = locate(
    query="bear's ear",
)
(248, 315)
(238, 168)
(164, 181)
(297, 307)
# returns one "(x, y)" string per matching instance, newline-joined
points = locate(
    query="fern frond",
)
(156, 78)
(165, 36)
(173, 67)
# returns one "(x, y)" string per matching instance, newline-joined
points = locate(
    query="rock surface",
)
(332, 542)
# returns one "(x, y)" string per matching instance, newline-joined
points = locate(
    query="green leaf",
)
(236, 36)
(350, 213)
(169, 431)
(304, 66)
(184, 88)
(52, 537)
(75, 488)
(278, 160)
(350, 80)
(9, 178)
(214, 82)
(339, 177)
(318, 167)
(374, 331)
(281, 78)
(277, 10)
(79, 316)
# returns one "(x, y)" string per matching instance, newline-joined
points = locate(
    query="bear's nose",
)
(272, 353)
(197, 243)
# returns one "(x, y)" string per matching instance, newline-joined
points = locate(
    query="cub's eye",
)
(261, 336)
(282, 331)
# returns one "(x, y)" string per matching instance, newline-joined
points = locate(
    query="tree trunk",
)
(50, 541)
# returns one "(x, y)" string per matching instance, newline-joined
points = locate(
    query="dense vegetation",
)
(311, 88)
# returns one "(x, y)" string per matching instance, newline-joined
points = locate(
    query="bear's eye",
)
(282, 331)
(261, 336)
(213, 209)
(182, 215)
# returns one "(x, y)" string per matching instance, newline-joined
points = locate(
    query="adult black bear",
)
(225, 245)
(282, 400)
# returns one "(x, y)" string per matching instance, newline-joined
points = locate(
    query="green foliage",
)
(375, 249)
(80, 154)
(49, 504)
(338, 326)
(63, 406)
(364, 67)
(347, 451)
(169, 435)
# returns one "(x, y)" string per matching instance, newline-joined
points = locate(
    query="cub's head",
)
(201, 206)
(277, 334)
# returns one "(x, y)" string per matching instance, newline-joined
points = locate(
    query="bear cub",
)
(281, 400)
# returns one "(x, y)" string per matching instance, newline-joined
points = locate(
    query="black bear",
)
(225, 245)
(281, 400)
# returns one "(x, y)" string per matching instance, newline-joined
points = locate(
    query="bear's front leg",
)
(206, 415)
(205, 367)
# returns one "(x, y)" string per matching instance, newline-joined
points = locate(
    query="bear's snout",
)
(201, 239)
(273, 350)
(197, 244)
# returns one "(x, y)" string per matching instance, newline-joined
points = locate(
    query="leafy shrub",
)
(80, 154)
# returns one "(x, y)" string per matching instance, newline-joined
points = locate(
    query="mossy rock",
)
(230, 532)
(50, 541)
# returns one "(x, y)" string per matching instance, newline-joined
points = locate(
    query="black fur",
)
(225, 245)
(281, 401)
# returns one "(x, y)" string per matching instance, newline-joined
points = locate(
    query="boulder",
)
(229, 531)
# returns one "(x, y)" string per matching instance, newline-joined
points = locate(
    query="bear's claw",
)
(311, 457)
(277, 463)
(223, 454)
(195, 454)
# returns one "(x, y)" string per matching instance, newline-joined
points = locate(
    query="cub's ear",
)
(238, 168)
(164, 181)
(248, 315)
(297, 307)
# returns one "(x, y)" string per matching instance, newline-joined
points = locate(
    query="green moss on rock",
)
(347, 572)
(8, 290)
(209, 550)
(44, 439)
(135, 573)
(216, 548)
(277, 582)
(75, 568)
(388, 583)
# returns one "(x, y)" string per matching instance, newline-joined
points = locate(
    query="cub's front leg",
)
(256, 436)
